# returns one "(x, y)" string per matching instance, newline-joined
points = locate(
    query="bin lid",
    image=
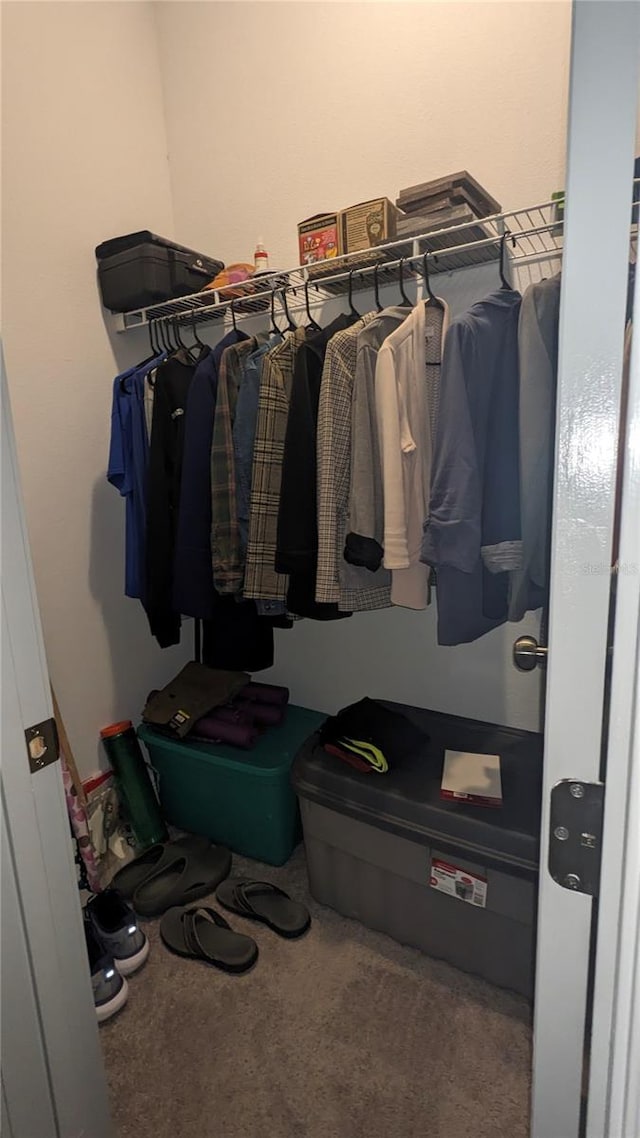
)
(406, 801)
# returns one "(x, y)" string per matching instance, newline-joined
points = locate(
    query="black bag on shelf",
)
(141, 268)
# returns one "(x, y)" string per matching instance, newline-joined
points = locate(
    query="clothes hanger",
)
(163, 332)
(427, 283)
(233, 315)
(291, 327)
(405, 302)
(200, 343)
(312, 323)
(275, 331)
(503, 243)
(375, 288)
(352, 308)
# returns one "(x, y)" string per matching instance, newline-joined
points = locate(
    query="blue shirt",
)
(472, 534)
(127, 468)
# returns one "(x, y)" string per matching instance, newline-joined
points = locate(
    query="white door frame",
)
(62, 1034)
(601, 138)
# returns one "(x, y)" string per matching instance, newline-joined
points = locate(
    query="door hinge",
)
(575, 836)
(42, 745)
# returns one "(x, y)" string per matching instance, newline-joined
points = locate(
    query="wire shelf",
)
(535, 235)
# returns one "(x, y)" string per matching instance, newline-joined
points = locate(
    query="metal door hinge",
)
(42, 745)
(575, 837)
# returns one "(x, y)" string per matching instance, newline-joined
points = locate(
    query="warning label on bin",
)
(458, 883)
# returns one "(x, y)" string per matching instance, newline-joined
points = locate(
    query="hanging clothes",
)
(262, 582)
(363, 542)
(244, 433)
(407, 382)
(297, 531)
(171, 389)
(225, 533)
(127, 468)
(472, 530)
(334, 441)
(193, 592)
(538, 359)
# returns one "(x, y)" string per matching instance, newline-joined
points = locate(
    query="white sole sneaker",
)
(129, 964)
(106, 1011)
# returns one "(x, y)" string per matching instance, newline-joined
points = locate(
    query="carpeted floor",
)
(343, 1034)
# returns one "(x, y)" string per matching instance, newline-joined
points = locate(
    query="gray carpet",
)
(343, 1034)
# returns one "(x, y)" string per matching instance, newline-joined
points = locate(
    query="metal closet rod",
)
(198, 313)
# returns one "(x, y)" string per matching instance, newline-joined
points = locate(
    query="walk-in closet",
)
(321, 598)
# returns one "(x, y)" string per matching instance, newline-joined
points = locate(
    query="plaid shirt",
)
(334, 468)
(226, 553)
(261, 580)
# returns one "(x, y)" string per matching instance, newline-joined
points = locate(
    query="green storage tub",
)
(240, 799)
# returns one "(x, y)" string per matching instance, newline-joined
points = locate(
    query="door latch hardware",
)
(42, 745)
(528, 654)
(575, 840)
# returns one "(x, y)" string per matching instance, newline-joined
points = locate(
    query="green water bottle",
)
(134, 784)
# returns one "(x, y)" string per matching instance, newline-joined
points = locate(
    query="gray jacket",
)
(538, 357)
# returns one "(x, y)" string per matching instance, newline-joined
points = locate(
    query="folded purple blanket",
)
(213, 729)
(263, 714)
(232, 714)
(265, 693)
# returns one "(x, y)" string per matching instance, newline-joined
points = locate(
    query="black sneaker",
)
(110, 989)
(116, 927)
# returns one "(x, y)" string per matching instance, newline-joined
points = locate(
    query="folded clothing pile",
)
(216, 705)
(240, 722)
(370, 737)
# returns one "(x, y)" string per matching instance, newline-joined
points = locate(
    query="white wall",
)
(296, 108)
(277, 111)
(84, 157)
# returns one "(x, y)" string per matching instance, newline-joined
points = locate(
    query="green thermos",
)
(137, 793)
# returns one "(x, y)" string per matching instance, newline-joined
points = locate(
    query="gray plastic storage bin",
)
(372, 840)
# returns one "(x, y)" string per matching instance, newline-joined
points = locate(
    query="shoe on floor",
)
(110, 989)
(116, 927)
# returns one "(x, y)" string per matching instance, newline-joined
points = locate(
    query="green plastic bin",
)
(240, 799)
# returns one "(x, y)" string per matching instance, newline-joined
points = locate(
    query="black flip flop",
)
(264, 902)
(189, 876)
(203, 934)
(136, 872)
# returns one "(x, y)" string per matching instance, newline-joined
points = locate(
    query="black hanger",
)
(503, 243)
(375, 288)
(290, 325)
(352, 308)
(200, 343)
(312, 323)
(275, 331)
(233, 315)
(163, 332)
(427, 283)
(405, 299)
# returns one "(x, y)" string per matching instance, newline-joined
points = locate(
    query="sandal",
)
(190, 874)
(132, 875)
(264, 902)
(203, 934)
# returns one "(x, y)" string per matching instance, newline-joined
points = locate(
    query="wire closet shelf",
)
(532, 235)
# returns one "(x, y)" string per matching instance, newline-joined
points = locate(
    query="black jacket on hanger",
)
(173, 379)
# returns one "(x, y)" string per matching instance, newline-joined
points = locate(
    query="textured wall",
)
(277, 111)
(84, 158)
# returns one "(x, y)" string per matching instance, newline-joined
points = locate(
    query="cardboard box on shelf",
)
(368, 224)
(442, 193)
(319, 238)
